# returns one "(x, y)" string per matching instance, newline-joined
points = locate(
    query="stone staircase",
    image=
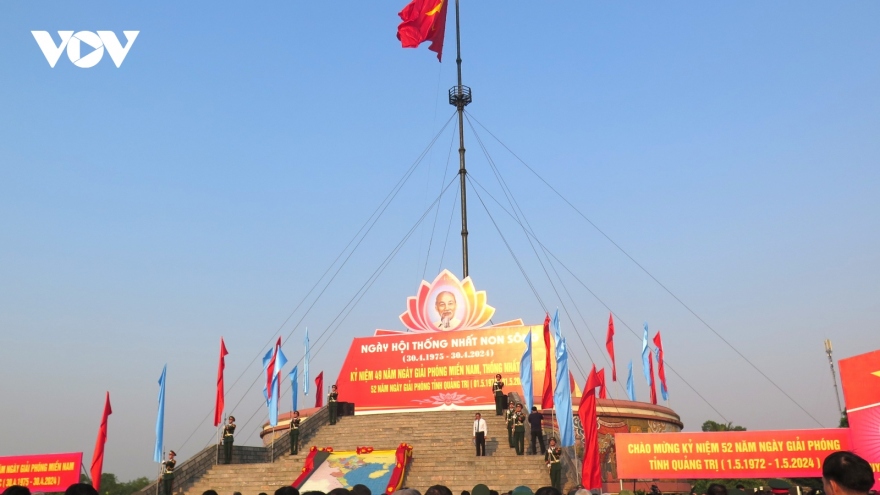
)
(442, 454)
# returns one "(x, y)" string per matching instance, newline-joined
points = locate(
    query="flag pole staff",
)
(460, 97)
(159, 478)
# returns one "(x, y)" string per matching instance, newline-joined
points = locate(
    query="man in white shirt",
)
(480, 434)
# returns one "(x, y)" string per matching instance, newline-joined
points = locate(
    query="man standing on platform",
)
(519, 430)
(536, 420)
(294, 433)
(228, 438)
(331, 403)
(552, 458)
(497, 387)
(509, 416)
(480, 432)
(168, 473)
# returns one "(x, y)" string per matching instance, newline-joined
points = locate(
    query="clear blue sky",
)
(203, 187)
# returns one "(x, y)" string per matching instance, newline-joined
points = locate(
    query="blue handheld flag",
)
(160, 418)
(562, 394)
(306, 366)
(630, 386)
(294, 387)
(525, 372)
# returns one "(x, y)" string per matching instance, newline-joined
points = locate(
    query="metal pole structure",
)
(460, 97)
(833, 375)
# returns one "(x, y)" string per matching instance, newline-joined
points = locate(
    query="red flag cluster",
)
(98, 456)
(609, 344)
(220, 401)
(319, 390)
(592, 476)
(547, 393)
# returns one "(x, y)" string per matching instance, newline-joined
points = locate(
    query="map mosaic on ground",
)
(346, 469)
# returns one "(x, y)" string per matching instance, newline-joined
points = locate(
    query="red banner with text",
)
(727, 454)
(41, 473)
(438, 370)
(860, 376)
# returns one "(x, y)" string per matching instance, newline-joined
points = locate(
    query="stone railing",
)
(307, 430)
(191, 470)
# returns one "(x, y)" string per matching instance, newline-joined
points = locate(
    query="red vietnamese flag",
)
(220, 401)
(423, 20)
(319, 390)
(592, 476)
(98, 456)
(609, 344)
(547, 393)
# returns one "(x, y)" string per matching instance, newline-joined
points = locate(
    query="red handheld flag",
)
(220, 401)
(603, 391)
(423, 20)
(592, 476)
(661, 368)
(319, 390)
(609, 344)
(98, 456)
(547, 393)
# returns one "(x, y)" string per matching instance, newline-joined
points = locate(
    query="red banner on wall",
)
(728, 454)
(440, 370)
(43, 473)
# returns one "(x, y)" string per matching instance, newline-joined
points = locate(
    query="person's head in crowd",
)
(582, 491)
(522, 490)
(236, 493)
(314, 492)
(17, 490)
(339, 491)
(547, 490)
(262, 493)
(80, 489)
(465, 492)
(210, 492)
(493, 492)
(844, 473)
(438, 490)
(287, 490)
(360, 489)
(716, 489)
(480, 489)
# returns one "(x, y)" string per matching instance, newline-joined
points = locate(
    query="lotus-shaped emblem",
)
(447, 304)
(444, 399)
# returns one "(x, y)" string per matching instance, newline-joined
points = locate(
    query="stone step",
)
(443, 454)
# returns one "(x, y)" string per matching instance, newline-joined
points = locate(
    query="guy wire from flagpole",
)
(459, 97)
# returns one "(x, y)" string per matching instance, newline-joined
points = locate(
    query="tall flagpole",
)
(459, 97)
